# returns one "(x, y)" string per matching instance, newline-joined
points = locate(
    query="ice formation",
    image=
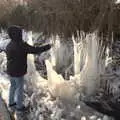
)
(38, 90)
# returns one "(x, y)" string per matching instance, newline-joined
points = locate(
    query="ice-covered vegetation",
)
(56, 97)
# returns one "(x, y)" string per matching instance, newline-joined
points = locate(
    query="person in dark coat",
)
(16, 52)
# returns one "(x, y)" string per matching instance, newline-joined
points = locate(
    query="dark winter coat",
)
(17, 52)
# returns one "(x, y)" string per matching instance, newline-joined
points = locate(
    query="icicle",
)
(53, 56)
(90, 70)
(77, 54)
(33, 74)
(88, 75)
(30, 56)
(108, 59)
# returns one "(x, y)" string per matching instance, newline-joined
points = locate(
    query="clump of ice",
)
(85, 55)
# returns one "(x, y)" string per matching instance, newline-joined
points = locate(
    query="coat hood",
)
(15, 33)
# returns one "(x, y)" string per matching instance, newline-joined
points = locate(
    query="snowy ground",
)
(46, 107)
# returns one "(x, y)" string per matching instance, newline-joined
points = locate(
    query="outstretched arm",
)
(36, 50)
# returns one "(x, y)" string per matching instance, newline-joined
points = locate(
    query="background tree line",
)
(63, 17)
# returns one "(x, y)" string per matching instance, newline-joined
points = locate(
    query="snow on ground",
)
(46, 107)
